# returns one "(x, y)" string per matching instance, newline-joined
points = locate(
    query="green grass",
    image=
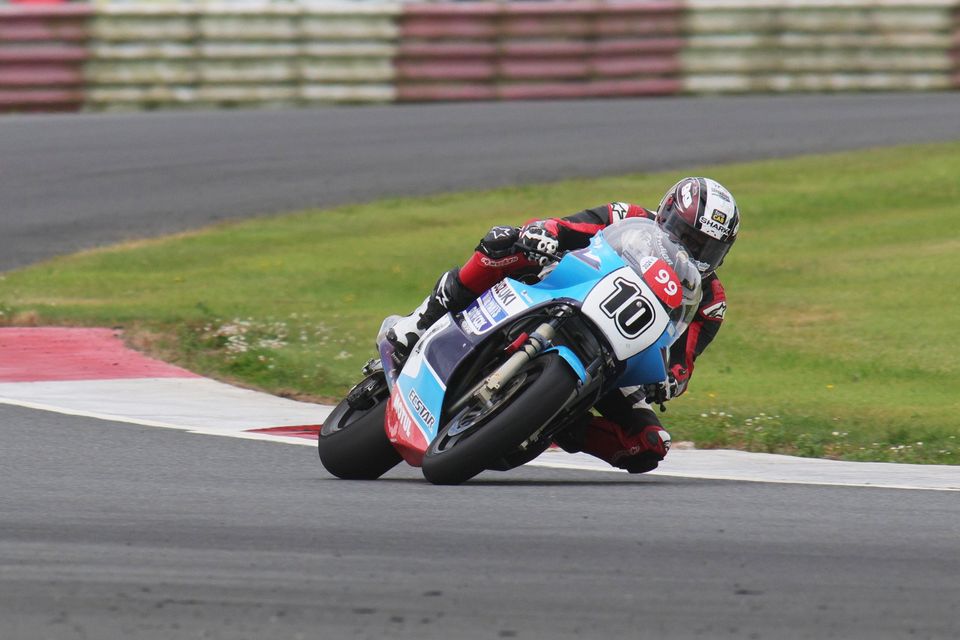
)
(840, 339)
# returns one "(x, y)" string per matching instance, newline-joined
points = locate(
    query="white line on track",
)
(720, 465)
(742, 466)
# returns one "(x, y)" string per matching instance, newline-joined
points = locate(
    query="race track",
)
(114, 530)
(126, 531)
(72, 182)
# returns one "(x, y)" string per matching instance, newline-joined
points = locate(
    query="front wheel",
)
(479, 435)
(353, 444)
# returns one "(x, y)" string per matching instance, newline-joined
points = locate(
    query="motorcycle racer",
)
(698, 213)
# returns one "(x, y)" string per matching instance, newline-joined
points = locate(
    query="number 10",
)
(631, 312)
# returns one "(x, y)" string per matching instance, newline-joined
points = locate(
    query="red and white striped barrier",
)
(42, 53)
(139, 54)
(955, 49)
(484, 51)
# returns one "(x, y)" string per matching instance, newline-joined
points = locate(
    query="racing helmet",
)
(702, 215)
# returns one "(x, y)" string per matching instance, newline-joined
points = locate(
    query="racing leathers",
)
(627, 433)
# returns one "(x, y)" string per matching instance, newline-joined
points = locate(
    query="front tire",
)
(353, 444)
(478, 436)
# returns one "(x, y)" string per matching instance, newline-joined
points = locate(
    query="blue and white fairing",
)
(636, 301)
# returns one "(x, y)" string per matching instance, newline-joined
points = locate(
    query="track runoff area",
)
(91, 373)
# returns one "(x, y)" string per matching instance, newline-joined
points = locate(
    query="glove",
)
(673, 386)
(499, 242)
(537, 239)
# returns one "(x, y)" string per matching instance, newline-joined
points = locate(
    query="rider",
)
(698, 213)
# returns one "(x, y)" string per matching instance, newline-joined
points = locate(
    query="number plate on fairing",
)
(628, 312)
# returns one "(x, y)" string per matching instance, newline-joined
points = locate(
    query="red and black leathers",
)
(628, 434)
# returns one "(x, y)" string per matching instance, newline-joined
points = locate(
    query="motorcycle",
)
(488, 388)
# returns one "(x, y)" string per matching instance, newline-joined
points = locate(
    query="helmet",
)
(702, 215)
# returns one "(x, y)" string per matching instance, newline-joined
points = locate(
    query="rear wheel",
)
(480, 434)
(353, 444)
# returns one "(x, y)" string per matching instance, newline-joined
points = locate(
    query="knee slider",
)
(641, 463)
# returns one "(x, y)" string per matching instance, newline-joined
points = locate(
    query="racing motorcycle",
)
(489, 387)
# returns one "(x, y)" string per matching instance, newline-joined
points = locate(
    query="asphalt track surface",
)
(113, 530)
(73, 182)
(119, 531)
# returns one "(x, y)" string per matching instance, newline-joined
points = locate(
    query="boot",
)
(449, 295)
(637, 450)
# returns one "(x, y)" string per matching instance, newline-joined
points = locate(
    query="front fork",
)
(536, 342)
(533, 345)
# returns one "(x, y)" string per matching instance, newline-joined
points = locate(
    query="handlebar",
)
(556, 257)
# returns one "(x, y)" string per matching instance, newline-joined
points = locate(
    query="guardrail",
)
(955, 52)
(483, 51)
(141, 54)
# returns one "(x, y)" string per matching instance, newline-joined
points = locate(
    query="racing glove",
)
(673, 386)
(539, 243)
(499, 242)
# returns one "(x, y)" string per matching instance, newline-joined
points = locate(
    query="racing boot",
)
(449, 294)
(637, 450)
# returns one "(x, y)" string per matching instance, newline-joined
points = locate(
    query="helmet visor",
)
(706, 252)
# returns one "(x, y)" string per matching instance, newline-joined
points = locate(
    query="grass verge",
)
(839, 340)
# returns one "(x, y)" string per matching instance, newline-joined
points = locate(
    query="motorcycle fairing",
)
(626, 310)
(403, 430)
(416, 397)
(494, 306)
(417, 394)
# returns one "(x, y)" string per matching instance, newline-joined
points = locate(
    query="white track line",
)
(194, 404)
(109, 417)
(742, 466)
(207, 407)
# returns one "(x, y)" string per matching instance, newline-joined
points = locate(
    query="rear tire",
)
(353, 443)
(477, 438)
